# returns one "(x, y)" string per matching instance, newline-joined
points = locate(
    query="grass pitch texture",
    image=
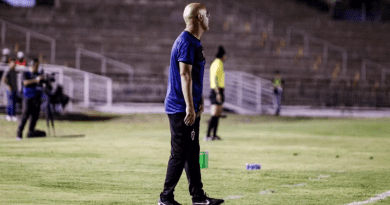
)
(122, 159)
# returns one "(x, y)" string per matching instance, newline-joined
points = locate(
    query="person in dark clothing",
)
(278, 91)
(31, 99)
(184, 105)
(10, 79)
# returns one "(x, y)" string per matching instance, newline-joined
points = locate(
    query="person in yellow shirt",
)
(217, 84)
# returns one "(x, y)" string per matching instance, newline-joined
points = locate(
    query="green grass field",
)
(123, 160)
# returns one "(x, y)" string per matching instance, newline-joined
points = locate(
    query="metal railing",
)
(327, 46)
(307, 40)
(255, 16)
(244, 93)
(383, 70)
(80, 86)
(29, 34)
(104, 62)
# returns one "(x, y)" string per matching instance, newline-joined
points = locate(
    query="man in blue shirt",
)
(184, 105)
(31, 99)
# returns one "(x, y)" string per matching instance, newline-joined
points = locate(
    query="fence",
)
(245, 93)
(380, 70)
(104, 62)
(29, 34)
(327, 47)
(82, 87)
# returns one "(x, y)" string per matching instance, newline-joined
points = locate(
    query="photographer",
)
(31, 100)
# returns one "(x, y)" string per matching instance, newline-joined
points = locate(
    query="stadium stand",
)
(141, 33)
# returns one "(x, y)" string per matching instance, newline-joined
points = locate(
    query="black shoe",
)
(168, 202)
(216, 137)
(207, 201)
(36, 133)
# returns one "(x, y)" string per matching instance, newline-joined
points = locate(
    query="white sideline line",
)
(233, 197)
(320, 177)
(295, 185)
(267, 191)
(372, 199)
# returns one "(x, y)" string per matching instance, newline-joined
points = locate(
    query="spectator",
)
(6, 55)
(278, 91)
(21, 61)
(10, 79)
(217, 97)
(31, 99)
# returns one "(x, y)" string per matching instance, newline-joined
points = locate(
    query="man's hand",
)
(39, 78)
(219, 97)
(190, 116)
(201, 109)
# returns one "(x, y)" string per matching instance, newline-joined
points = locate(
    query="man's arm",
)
(5, 80)
(32, 81)
(216, 89)
(186, 86)
(215, 68)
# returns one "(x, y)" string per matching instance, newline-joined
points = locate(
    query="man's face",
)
(205, 22)
(224, 58)
(12, 64)
(35, 67)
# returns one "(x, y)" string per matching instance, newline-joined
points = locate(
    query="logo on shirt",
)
(199, 54)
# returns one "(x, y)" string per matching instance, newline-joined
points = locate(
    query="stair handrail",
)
(104, 61)
(384, 69)
(29, 33)
(326, 45)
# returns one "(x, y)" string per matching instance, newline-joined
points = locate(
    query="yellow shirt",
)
(217, 74)
(277, 82)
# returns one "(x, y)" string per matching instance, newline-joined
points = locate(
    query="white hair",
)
(20, 54)
(6, 51)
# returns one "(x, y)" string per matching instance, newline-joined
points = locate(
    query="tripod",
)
(49, 115)
(49, 107)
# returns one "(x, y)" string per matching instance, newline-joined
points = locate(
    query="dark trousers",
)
(184, 154)
(11, 106)
(278, 96)
(31, 108)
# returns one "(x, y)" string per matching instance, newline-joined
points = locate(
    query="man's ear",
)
(199, 17)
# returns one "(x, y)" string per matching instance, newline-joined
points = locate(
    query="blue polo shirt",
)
(189, 50)
(32, 90)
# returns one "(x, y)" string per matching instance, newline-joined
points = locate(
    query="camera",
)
(48, 78)
(46, 81)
